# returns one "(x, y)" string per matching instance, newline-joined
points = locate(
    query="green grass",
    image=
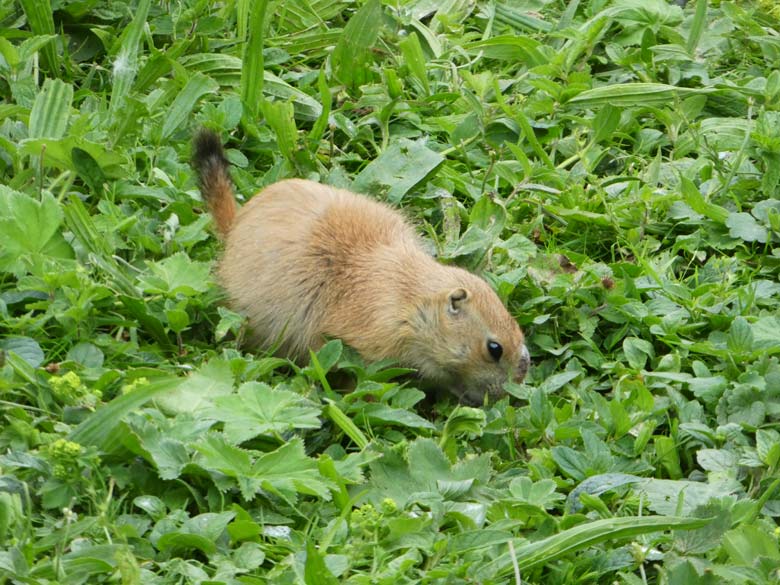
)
(611, 167)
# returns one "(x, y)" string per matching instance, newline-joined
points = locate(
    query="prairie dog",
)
(306, 262)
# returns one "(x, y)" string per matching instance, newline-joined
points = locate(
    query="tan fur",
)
(306, 262)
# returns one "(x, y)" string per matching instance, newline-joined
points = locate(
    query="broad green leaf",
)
(176, 275)
(597, 485)
(316, 571)
(541, 493)
(475, 539)
(745, 227)
(745, 543)
(352, 55)
(382, 414)
(740, 336)
(638, 351)
(510, 48)
(200, 532)
(286, 470)
(605, 123)
(463, 420)
(415, 60)
(87, 354)
(59, 153)
(279, 116)
(196, 393)
(26, 348)
(425, 470)
(694, 198)
(30, 227)
(633, 94)
(178, 541)
(397, 170)
(666, 496)
(259, 409)
(768, 446)
(88, 169)
(51, 110)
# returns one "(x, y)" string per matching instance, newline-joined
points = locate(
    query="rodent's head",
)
(468, 341)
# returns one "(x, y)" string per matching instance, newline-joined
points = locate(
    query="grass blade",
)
(353, 51)
(279, 116)
(197, 86)
(415, 60)
(322, 121)
(100, 429)
(633, 94)
(51, 110)
(349, 428)
(126, 62)
(41, 20)
(252, 59)
(586, 535)
(697, 26)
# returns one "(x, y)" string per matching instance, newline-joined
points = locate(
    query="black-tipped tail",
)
(213, 170)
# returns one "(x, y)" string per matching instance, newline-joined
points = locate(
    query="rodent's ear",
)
(456, 299)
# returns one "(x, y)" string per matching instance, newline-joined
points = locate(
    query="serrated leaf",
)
(745, 227)
(196, 393)
(177, 274)
(571, 462)
(259, 409)
(286, 470)
(540, 493)
(29, 227)
(768, 446)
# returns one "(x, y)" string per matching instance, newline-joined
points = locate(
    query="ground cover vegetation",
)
(611, 166)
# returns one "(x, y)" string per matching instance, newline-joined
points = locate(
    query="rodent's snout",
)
(523, 365)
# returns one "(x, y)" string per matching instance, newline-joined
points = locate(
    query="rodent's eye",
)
(495, 350)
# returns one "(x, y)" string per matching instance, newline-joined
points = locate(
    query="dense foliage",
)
(611, 166)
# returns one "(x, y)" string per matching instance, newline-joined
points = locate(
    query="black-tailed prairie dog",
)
(306, 262)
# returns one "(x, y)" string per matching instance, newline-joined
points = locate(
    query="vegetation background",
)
(611, 166)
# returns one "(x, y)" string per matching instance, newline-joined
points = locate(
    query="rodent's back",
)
(295, 254)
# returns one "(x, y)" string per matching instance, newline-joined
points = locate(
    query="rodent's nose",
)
(523, 365)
